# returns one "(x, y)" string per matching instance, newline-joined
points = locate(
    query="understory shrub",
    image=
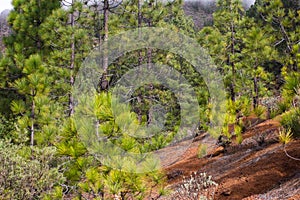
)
(199, 186)
(6, 128)
(27, 173)
(291, 120)
(202, 150)
(285, 136)
(260, 111)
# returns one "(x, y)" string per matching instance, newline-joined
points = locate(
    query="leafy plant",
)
(291, 87)
(283, 106)
(259, 111)
(291, 120)
(202, 150)
(27, 173)
(197, 186)
(6, 128)
(238, 134)
(285, 136)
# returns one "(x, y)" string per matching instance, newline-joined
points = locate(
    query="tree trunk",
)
(72, 66)
(149, 50)
(232, 85)
(255, 88)
(139, 29)
(32, 123)
(105, 37)
(140, 59)
(103, 80)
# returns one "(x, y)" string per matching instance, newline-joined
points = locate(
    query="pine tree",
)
(70, 41)
(25, 21)
(36, 111)
(257, 51)
(224, 41)
(282, 20)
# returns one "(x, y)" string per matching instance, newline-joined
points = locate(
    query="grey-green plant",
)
(196, 186)
(28, 172)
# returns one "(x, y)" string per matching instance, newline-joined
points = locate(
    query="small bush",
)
(283, 106)
(291, 86)
(285, 136)
(6, 128)
(202, 150)
(238, 134)
(197, 186)
(291, 120)
(26, 173)
(260, 111)
(244, 105)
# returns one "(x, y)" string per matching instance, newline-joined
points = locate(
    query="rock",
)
(219, 150)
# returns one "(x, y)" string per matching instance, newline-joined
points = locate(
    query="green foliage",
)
(285, 136)
(243, 105)
(27, 173)
(202, 150)
(260, 111)
(44, 53)
(7, 127)
(223, 41)
(238, 134)
(291, 88)
(283, 106)
(291, 120)
(93, 184)
(36, 112)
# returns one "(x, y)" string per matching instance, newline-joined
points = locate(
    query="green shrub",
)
(259, 111)
(202, 150)
(291, 86)
(238, 134)
(26, 173)
(291, 120)
(283, 106)
(244, 105)
(6, 128)
(274, 113)
(285, 136)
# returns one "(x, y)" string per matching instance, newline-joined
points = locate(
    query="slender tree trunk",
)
(149, 50)
(139, 29)
(32, 131)
(140, 59)
(105, 37)
(39, 42)
(256, 91)
(232, 85)
(103, 79)
(72, 65)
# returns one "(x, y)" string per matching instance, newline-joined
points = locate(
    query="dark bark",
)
(255, 88)
(72, 66)
(32, 116)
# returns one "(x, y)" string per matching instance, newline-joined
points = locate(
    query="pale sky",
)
(5, 4)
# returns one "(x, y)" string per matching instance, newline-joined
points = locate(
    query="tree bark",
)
(255, 87)
(32, 122)
(72, 65)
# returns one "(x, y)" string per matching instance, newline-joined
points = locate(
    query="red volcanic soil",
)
(258, 168)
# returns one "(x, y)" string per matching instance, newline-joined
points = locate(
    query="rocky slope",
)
(258, 168)
(4, 28)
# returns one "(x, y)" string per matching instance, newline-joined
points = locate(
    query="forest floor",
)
(258, 168)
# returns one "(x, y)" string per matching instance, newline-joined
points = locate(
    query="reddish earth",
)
(258, 168)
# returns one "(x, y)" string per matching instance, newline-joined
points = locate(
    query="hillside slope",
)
(251, 170)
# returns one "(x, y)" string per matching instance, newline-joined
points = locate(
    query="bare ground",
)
(254, 169)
